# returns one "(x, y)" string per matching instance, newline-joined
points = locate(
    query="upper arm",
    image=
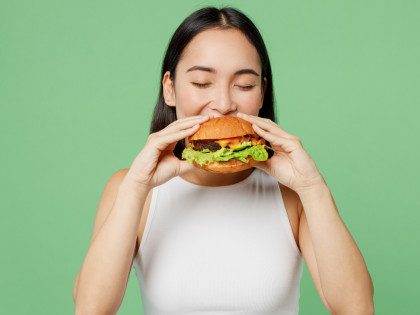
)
(104, 208)
(307, 250)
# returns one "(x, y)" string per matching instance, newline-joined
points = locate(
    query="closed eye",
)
(246, 87)
(201, 85)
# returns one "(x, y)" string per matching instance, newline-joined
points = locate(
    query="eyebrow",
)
(212, 70)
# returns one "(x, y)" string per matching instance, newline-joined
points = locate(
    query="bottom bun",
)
(231, 166)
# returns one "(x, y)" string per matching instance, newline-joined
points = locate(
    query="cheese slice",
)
(235, 143)
(223, 143)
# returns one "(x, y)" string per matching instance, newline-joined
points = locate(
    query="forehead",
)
(226, 50)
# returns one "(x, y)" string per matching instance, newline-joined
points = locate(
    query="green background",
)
(79, 80)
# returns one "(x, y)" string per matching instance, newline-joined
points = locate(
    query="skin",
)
(222, 92)
(305, 192)
(333, 258)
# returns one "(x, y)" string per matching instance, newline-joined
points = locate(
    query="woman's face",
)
(218, 74)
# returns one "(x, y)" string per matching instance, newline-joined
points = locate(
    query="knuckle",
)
(151, 137)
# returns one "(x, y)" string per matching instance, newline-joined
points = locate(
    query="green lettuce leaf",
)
(257, 152)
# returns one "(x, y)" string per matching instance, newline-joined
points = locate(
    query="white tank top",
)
(219, 250)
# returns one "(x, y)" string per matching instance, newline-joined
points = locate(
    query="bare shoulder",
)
(292, 204)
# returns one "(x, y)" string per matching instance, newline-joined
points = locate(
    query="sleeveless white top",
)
(219, 250)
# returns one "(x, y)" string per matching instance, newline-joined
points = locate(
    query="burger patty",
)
(201, 145)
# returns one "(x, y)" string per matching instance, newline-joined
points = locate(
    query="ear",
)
(168, 89)
(263, 91)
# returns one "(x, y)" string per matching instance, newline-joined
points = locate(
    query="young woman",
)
(209, 243)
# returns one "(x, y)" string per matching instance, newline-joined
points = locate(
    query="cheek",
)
(189, 102)
(249, 103)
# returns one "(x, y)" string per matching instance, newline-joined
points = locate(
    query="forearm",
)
(105, 270)
(345, 280)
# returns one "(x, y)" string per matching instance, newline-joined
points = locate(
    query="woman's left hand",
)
(291, 165)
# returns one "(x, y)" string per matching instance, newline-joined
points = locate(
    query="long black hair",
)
(198, 21)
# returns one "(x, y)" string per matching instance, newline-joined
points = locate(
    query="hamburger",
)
(225, 145)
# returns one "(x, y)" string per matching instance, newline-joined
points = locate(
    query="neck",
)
(205, 178)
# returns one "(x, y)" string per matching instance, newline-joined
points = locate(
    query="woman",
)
(219, 243)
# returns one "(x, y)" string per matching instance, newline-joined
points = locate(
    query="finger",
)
(171, 134)
(266, 124)
(185, 167)
(162, 141)
(181, 166)
(190, 118)
(287, 144)
(184, 123)
(262, 166)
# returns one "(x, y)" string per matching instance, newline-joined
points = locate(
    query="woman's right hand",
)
(156, 163)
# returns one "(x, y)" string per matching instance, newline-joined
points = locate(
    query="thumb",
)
(263, 166)
(185, 167)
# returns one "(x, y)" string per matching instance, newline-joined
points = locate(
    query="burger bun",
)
(231, 166)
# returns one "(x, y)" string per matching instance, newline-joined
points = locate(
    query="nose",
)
(223, 103)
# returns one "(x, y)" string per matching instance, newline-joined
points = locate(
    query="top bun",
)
(223, 127)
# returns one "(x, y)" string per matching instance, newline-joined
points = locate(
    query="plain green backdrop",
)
(79, 80)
